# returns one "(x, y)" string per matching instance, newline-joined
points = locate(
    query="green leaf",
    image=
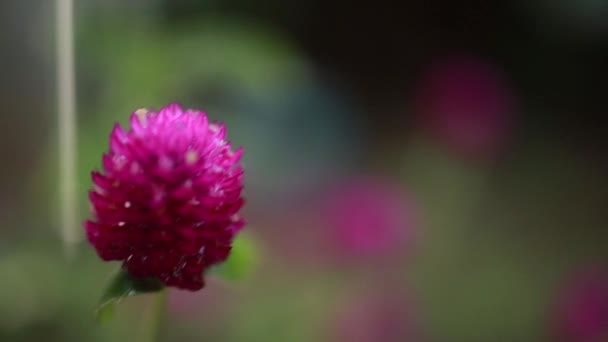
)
(241, 262)
(124, 285)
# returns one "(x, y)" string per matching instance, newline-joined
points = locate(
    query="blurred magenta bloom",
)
(167, 202)
(466, 104)
(369, 217)
(211, 303)
(582, 308)
(376, 318)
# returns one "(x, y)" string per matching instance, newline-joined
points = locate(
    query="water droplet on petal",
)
(191, 157)
(135, 169)
(141, 114)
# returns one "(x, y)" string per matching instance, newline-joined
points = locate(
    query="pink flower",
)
(582, 309)
(167, 201)
(466, 104)
(214, 303)
(369, 217)
(376, 318)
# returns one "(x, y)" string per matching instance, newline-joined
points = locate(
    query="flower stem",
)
(66, 108)
(153, 318)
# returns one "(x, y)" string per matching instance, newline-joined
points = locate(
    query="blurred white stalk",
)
(66, 102)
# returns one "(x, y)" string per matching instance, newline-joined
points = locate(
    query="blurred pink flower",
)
(213, 300)
(368, 217)
(582, 308)
(212, 311)
(375, 318)
(466, 104)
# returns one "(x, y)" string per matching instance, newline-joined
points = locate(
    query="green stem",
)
(153, 318)
(66, 102)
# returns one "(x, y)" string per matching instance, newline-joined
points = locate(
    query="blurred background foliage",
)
(501, 160)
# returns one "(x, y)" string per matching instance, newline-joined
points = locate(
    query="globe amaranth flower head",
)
(167, 202)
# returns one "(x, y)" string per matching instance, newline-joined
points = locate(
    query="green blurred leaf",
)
(241, 262)
(124, 285)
